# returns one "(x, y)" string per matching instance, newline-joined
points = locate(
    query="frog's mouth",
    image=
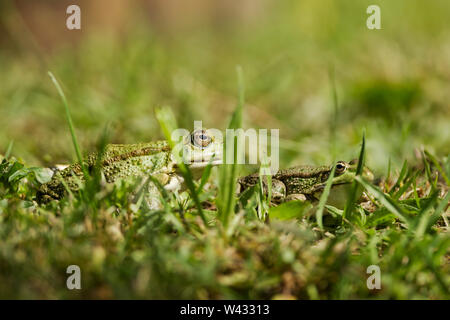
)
(202, 164)
(197, 162)
(321, 187)
(200, 158)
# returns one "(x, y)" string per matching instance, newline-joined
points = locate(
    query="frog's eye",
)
(340, 167)
(200, 138)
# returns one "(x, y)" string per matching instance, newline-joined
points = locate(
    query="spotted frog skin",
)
(137, 160)
(307, 182)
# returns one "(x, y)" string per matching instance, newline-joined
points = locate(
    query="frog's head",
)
(346, 171)
(202, 147)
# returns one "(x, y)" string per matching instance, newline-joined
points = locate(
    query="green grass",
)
(388, 85)
(126, 250)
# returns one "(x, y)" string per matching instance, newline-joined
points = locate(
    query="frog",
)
(121, 161)
(306, 183)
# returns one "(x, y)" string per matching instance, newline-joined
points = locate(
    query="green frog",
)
(306, 182)
(118, 161)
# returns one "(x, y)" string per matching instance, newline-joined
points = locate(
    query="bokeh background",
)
(132, 56)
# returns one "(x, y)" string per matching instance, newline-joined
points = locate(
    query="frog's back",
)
(303, 179)
(122, 161)
(114, 151)
(303, 171)
(117, 161)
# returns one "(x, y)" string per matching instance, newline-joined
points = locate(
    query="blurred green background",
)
(130, 57)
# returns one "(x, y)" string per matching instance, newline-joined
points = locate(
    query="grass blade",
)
(438, 166)
(406, 185)
(69, 121)
(428, 172)
(290, 210)
(323, 198)
(205, 176)
(228, 174)
(426, 221)
(388, 175)
(351, 198)
(423, 218)
(403, 173)
(9, 149)
(265, 196)
(384, 199)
